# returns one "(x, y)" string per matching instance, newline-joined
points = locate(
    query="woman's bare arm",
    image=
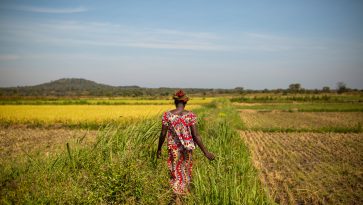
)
(199, 142)
(164, 130)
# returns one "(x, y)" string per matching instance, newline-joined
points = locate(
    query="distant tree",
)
(295, 87)
(341, 87)
(326, 89)
(315, 91)
(239, 90)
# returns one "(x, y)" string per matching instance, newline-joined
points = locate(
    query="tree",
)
(341, 87)
(240, 90)
(326, 89)
(295, 87)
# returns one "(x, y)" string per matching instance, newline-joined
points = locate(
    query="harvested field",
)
(309, 168)
(300, 120)
(17, 142)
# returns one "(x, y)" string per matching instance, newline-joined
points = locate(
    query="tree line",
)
(81, 87)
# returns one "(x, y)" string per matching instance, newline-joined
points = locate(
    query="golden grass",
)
(309, 168)
(299, 120)
(73, 114)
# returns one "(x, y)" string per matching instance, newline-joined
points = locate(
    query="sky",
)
(183, 43)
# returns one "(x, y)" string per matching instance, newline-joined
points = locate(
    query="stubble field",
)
(306, 153)
(309, 168)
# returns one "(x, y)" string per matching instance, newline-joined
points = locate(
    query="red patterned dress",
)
(180, 146)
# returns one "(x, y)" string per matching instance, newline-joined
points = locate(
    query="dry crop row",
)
(309, 168)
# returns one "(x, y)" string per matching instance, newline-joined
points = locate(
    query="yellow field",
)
(73, 114)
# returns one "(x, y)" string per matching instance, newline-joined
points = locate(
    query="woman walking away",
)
(180, 125)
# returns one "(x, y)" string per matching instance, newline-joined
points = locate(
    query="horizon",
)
(285, 88)
(204, 44)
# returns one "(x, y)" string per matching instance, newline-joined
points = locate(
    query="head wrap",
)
(181, 96)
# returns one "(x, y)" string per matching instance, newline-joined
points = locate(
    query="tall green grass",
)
(121, 168)
(231, 178)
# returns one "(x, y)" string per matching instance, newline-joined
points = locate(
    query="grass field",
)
(309, 168)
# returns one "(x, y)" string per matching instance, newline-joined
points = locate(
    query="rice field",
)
(77, 114)
(309, 168)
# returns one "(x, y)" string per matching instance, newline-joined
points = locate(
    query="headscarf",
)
(180, 96)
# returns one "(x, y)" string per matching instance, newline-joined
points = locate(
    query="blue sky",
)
(189, 43)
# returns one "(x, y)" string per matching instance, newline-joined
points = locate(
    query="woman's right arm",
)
(200, 144)
(164, 130)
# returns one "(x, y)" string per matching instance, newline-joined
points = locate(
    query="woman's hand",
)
(158, 154)
(209, 155)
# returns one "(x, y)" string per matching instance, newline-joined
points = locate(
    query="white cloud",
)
(48, 9)
(72, 33)
(103, 34)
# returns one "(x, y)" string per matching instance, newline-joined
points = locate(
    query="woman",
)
(180, 125)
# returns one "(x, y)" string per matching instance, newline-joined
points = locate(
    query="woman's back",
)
(179, 126)
(178, 123)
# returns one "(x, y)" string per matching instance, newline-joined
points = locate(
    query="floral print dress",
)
(180, 146)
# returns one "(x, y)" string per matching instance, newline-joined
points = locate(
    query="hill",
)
(66, 84)
(82, 87)
(66, 87)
